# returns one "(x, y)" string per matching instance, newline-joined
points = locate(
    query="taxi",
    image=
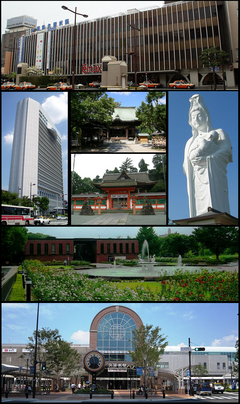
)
(7, 86)
(150, 84)
(24, 86)
(181, 84)
(59, 86)
(95, 84)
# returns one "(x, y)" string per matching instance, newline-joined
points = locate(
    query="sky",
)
(56, 107)
(223, 109)
(102, 231)
(202, 322)
(46, 12)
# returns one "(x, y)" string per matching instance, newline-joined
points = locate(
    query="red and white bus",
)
(17, 215)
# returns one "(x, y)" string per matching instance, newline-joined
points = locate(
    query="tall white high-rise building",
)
(36, 164)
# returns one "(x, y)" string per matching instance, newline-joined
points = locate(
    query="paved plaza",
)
(120, 147)
(119, 219)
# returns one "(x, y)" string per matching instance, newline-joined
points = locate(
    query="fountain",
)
(145, 260)
(179, 261)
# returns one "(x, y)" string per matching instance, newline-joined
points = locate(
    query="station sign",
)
(185, 349)
(91, 68)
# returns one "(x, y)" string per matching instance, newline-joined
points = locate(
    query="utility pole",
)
(189, 353)
(35, 355)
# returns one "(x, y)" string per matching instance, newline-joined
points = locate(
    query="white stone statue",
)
(206, 156)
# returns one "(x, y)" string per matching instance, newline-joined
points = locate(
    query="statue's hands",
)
(198, 161)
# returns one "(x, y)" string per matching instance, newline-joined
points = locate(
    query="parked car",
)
(217, 388)
(150, 84)
(61, 218)
(181, 84)
(41, 221)
(7, 86)
(24, 86)
(204, 389)
(59, 86)
(95, 84)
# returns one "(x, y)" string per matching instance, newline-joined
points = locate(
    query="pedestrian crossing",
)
(218, 397)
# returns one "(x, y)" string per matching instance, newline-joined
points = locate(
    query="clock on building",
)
(94, 361)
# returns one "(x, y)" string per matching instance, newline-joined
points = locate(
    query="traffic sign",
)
(185, 348)
(188, 373)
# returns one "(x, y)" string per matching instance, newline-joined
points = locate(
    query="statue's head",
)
(199, 117)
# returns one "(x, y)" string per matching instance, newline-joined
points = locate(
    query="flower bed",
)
(53, 284)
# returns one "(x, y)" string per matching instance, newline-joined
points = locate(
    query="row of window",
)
(49, 249)
(165, 365)
(112, 248)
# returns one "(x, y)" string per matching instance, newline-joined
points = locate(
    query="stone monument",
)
(147, 208)
(86, 208)
(206, 156)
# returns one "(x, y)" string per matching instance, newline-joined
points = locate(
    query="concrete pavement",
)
(119, 147)
(119, 219)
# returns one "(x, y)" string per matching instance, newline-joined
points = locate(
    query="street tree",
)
(199, 370)
(150, 342)
(214, 57)
(10, 198)
(60, 358)
(217, 238)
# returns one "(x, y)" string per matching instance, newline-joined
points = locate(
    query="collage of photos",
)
(119, 201)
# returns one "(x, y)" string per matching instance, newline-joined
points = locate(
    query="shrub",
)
(17, 294)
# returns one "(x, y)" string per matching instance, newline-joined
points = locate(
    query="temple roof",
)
(124, 179)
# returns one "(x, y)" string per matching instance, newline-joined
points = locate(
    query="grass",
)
(18, 293)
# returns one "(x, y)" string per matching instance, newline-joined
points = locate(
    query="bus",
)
(17, 215)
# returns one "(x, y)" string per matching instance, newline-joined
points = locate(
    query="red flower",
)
(176, 298)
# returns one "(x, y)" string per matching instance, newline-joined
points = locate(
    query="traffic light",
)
(43, 365)
(200, 349)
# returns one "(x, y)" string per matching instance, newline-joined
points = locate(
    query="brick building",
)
(90, 250)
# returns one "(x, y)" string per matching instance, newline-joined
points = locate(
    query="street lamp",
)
(134, 54)
(74, 40)
(31, 184)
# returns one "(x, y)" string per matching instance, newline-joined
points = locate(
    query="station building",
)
(168, 45)
(111, 334)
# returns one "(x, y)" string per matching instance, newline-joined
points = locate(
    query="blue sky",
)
(102, 231)
(207, 324)
(223, 108)
(55, 105)
(131, 98)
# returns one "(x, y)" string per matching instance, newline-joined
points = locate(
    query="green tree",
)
(82, 185)
(10, 198)
(127, 166)
(116, 170)
(158, 173)
(143, 166)
(236, 359)
(95, 107)
(199, 370)
(152, 113)
(13, 241)
(150, 342)
(43, 204)
(149, 234)
(58, 355)
(175, 244)
(214, 57)
(217, 238)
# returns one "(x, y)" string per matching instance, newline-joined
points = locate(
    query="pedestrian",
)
(29, 389)
(79, 385)
(73, 387)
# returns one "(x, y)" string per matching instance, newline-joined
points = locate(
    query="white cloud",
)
(56, 107)
(8, 139)
(189, 316)
(228, 340)
(80, 337)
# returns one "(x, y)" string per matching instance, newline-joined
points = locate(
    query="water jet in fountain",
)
(179, 261)
(145, 260)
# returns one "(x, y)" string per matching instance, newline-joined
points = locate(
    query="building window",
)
(46, 249)
(108, 248)
(67, 248)
(224, 366)
(205, 365)
(31, 249)
(133, 247)
(164, 365)
(38, 249)
(60, 248)
(102, 248)
(218, 365)
(120, 248)
(53, 249)
(127, 248)
(114, 248)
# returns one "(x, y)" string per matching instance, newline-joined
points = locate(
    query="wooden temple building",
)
(121, 191)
